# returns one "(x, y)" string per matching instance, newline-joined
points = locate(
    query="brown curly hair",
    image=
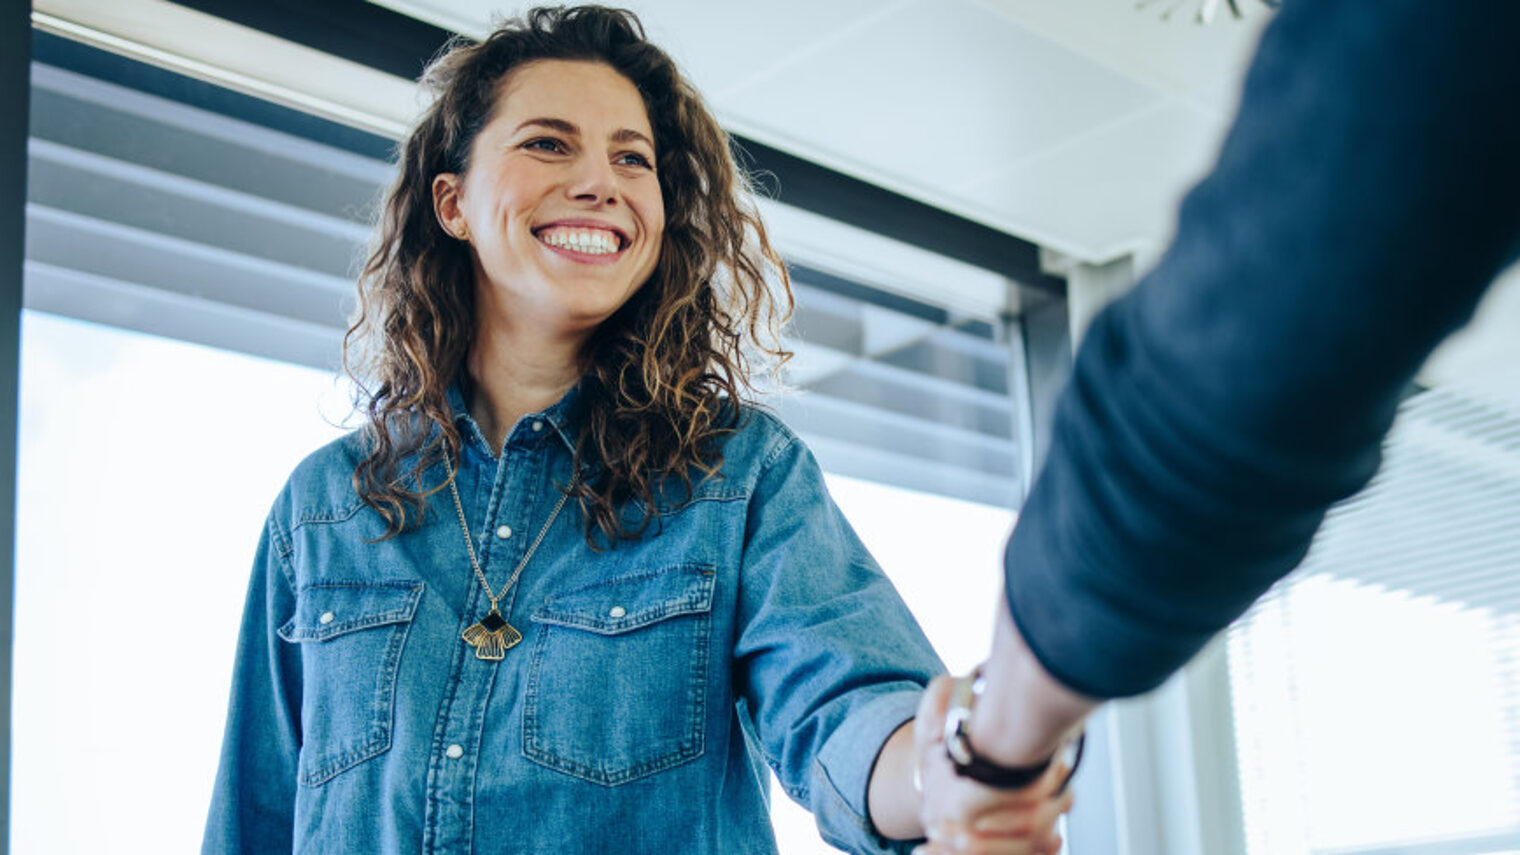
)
(661, 377)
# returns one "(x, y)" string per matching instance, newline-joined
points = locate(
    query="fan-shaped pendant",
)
(491, 636)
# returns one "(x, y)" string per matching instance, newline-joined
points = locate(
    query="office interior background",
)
(957, 185)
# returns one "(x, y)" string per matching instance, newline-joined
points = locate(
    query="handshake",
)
(968, 803)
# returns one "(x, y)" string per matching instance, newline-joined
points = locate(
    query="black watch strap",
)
(969, 764)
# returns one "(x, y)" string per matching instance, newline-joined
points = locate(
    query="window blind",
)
(1376, 690)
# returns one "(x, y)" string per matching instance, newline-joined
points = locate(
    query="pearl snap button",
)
(538, 426)
(504, 532)
(327, 617)
(618, 611)
(454, 752)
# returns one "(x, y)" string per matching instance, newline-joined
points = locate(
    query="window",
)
(145, 468)
(1377, 689)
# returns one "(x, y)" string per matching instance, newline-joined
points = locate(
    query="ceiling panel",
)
(934, 94)
(719, 45)
(723, 46)
(1203, 62)
(1111, 192)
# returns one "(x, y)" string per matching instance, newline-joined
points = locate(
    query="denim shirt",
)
(654, 681)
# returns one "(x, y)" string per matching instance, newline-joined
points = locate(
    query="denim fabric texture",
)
(654, 683)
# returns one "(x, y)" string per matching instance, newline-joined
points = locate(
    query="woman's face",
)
(561, 203)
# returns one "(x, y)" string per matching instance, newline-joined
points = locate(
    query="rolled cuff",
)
(842, 772)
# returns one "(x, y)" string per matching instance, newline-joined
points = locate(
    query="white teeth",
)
(589, 241)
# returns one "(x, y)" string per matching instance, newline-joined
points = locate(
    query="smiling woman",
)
(563, 211)
(565, 590)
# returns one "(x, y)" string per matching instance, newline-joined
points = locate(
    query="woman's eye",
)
(633, 158)
(545, 144)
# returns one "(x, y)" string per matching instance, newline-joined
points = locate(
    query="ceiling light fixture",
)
(1206, 8)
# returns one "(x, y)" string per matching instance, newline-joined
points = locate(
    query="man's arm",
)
(1366, 195)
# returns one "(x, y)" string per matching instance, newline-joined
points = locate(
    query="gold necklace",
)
(492, 636)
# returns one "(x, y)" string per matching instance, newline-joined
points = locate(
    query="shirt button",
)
(618, 611)
(454, 752)
(538, 426)
(327, 617)
(504, 532)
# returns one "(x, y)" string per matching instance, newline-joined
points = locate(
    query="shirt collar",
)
(562, 418)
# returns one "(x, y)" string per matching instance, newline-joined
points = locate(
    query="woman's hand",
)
(963, 816)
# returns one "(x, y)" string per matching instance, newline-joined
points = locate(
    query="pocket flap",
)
(629, 602)
(328, 609)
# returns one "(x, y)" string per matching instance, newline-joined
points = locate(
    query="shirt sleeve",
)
(253, 802)
(828, 658)
(1367, 193)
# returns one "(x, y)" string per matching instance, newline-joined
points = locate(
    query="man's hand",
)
(963, 816)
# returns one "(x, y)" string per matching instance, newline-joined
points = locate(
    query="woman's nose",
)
(594, 181)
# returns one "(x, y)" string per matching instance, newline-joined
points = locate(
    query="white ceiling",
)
(1074, 124)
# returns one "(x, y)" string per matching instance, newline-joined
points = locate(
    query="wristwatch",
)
(969, 764)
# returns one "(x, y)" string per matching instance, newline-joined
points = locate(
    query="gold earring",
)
(464, 234)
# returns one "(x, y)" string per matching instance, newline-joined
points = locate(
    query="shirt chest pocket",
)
(351, 636)
(618, 681)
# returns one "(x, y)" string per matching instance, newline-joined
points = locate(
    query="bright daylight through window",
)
(1377, 690)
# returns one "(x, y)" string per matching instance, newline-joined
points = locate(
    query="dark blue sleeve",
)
(1366, 195)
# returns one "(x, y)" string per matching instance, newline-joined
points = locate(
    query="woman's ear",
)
(446, 187)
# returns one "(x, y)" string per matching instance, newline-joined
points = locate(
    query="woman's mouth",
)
(582, 240)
